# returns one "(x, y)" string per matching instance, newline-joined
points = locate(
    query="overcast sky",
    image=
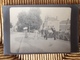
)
(62, 13)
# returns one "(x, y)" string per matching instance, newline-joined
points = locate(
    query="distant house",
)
(64, 26)
(50, 22)
(64, 30)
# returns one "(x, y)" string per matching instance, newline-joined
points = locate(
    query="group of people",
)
(45, 33)
(49, 33)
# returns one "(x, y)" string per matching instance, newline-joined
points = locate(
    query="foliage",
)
(31, 20)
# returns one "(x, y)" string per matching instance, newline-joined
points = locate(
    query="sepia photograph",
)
(40, 29)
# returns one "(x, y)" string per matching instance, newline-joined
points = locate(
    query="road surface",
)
(33, 44)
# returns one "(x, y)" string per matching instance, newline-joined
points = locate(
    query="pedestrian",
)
(36, 34)
(25, 32)
(46, 33)
(54, 32)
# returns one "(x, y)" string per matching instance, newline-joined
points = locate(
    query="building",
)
(50, 22)
(64, 30)
(65, 26)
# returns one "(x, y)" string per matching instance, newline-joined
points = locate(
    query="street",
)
(33, 44)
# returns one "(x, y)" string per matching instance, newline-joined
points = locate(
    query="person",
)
(54, 32)
(46, 33)
(26, 35)
(36, 34)
(25, 31)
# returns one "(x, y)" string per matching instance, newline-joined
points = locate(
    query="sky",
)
(62, 13)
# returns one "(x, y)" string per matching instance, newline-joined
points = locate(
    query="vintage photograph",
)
(40, 29)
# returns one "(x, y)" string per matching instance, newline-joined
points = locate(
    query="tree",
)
(31, 20)
(21, 21)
